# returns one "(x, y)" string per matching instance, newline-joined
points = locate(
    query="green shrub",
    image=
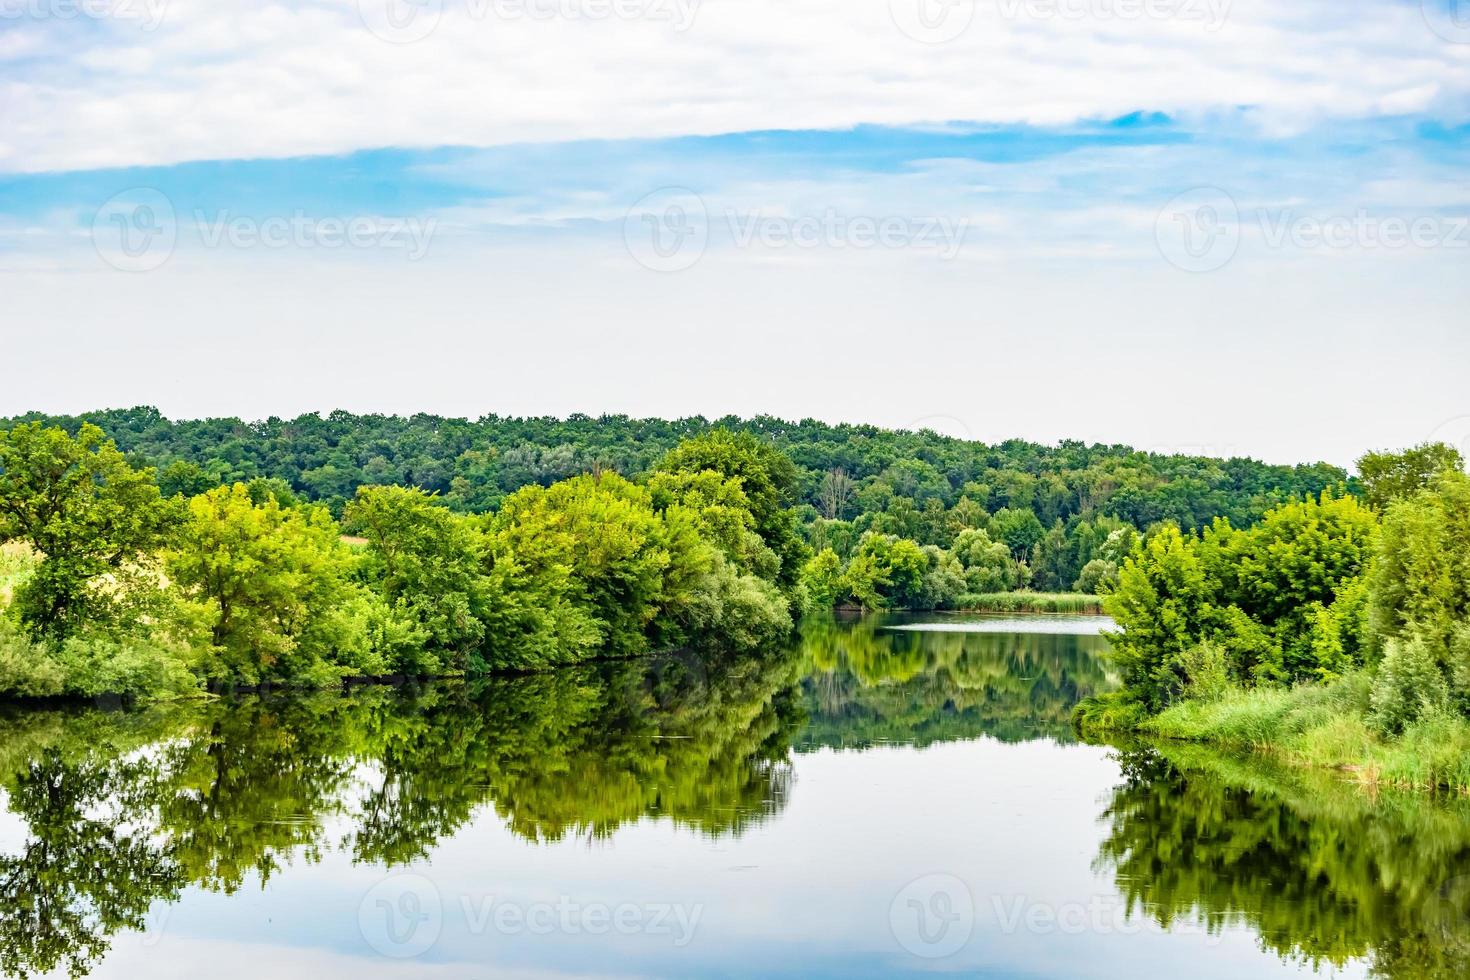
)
(95, 665)
(1410, 685)
(27, 668)
(1206, 672)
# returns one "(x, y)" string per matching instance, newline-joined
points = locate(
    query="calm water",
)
(876, 802)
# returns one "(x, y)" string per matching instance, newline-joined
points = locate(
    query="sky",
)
(1234, 227)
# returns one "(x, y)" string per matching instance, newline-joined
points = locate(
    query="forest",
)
(1324, 615)
(150, 557)
(112, 586)
(1052, 507)
(1335, 631)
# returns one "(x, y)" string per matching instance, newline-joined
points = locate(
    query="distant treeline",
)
(476, 464)
(1053, 507)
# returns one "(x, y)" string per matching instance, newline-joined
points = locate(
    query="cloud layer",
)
(165, 81)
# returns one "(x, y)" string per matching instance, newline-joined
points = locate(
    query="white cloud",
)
(235, 79)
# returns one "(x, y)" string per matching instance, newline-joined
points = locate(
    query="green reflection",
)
(124, 810)
(867, 684)
(1323, 872)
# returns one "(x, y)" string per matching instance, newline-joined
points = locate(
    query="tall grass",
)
(1318, 725)
(16, 563)
(1040, 602)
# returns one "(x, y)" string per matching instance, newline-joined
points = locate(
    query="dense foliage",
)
(120, 589)
(1319, 589)
(119, 812)
(1051, 505)
(1322, 874)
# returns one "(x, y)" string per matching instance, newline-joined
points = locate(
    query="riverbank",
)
(1078, 603)
(1323, 726)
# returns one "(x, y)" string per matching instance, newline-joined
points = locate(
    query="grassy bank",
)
(1037, 602)
(1317, 725)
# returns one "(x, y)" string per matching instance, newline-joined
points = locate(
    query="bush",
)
(1206, 672)
(95, 665)
(1098, 576)
(738, 611)
(92, 664)
(27, 668)
(1410, 685)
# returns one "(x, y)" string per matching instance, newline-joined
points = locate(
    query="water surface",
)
(873, 802)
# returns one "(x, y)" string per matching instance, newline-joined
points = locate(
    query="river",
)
(888, 797)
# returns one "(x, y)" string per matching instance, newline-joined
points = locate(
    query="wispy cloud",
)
(161, 82)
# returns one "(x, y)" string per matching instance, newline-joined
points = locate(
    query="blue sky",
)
(864, 211)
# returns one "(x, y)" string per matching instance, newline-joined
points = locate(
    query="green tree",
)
(1395, 476)
(272, 582)
(886, 571)
(1160, 605)
(1277, 573)
(605, 548)
(426, 561)
(722, 511)
(1098, 576)
(1419, 588)
(767, 476)
(1019, 529)
(96, 522)
(988, 564)
(943, 582)
(822, 578)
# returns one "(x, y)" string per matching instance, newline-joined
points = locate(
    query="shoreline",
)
(1320, 727)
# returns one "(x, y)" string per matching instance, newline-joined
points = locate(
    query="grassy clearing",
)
(1040, 602)
(16, 562)
(1317, 725)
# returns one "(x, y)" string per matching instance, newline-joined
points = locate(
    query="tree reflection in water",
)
(125, 809)
(1321, 870)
